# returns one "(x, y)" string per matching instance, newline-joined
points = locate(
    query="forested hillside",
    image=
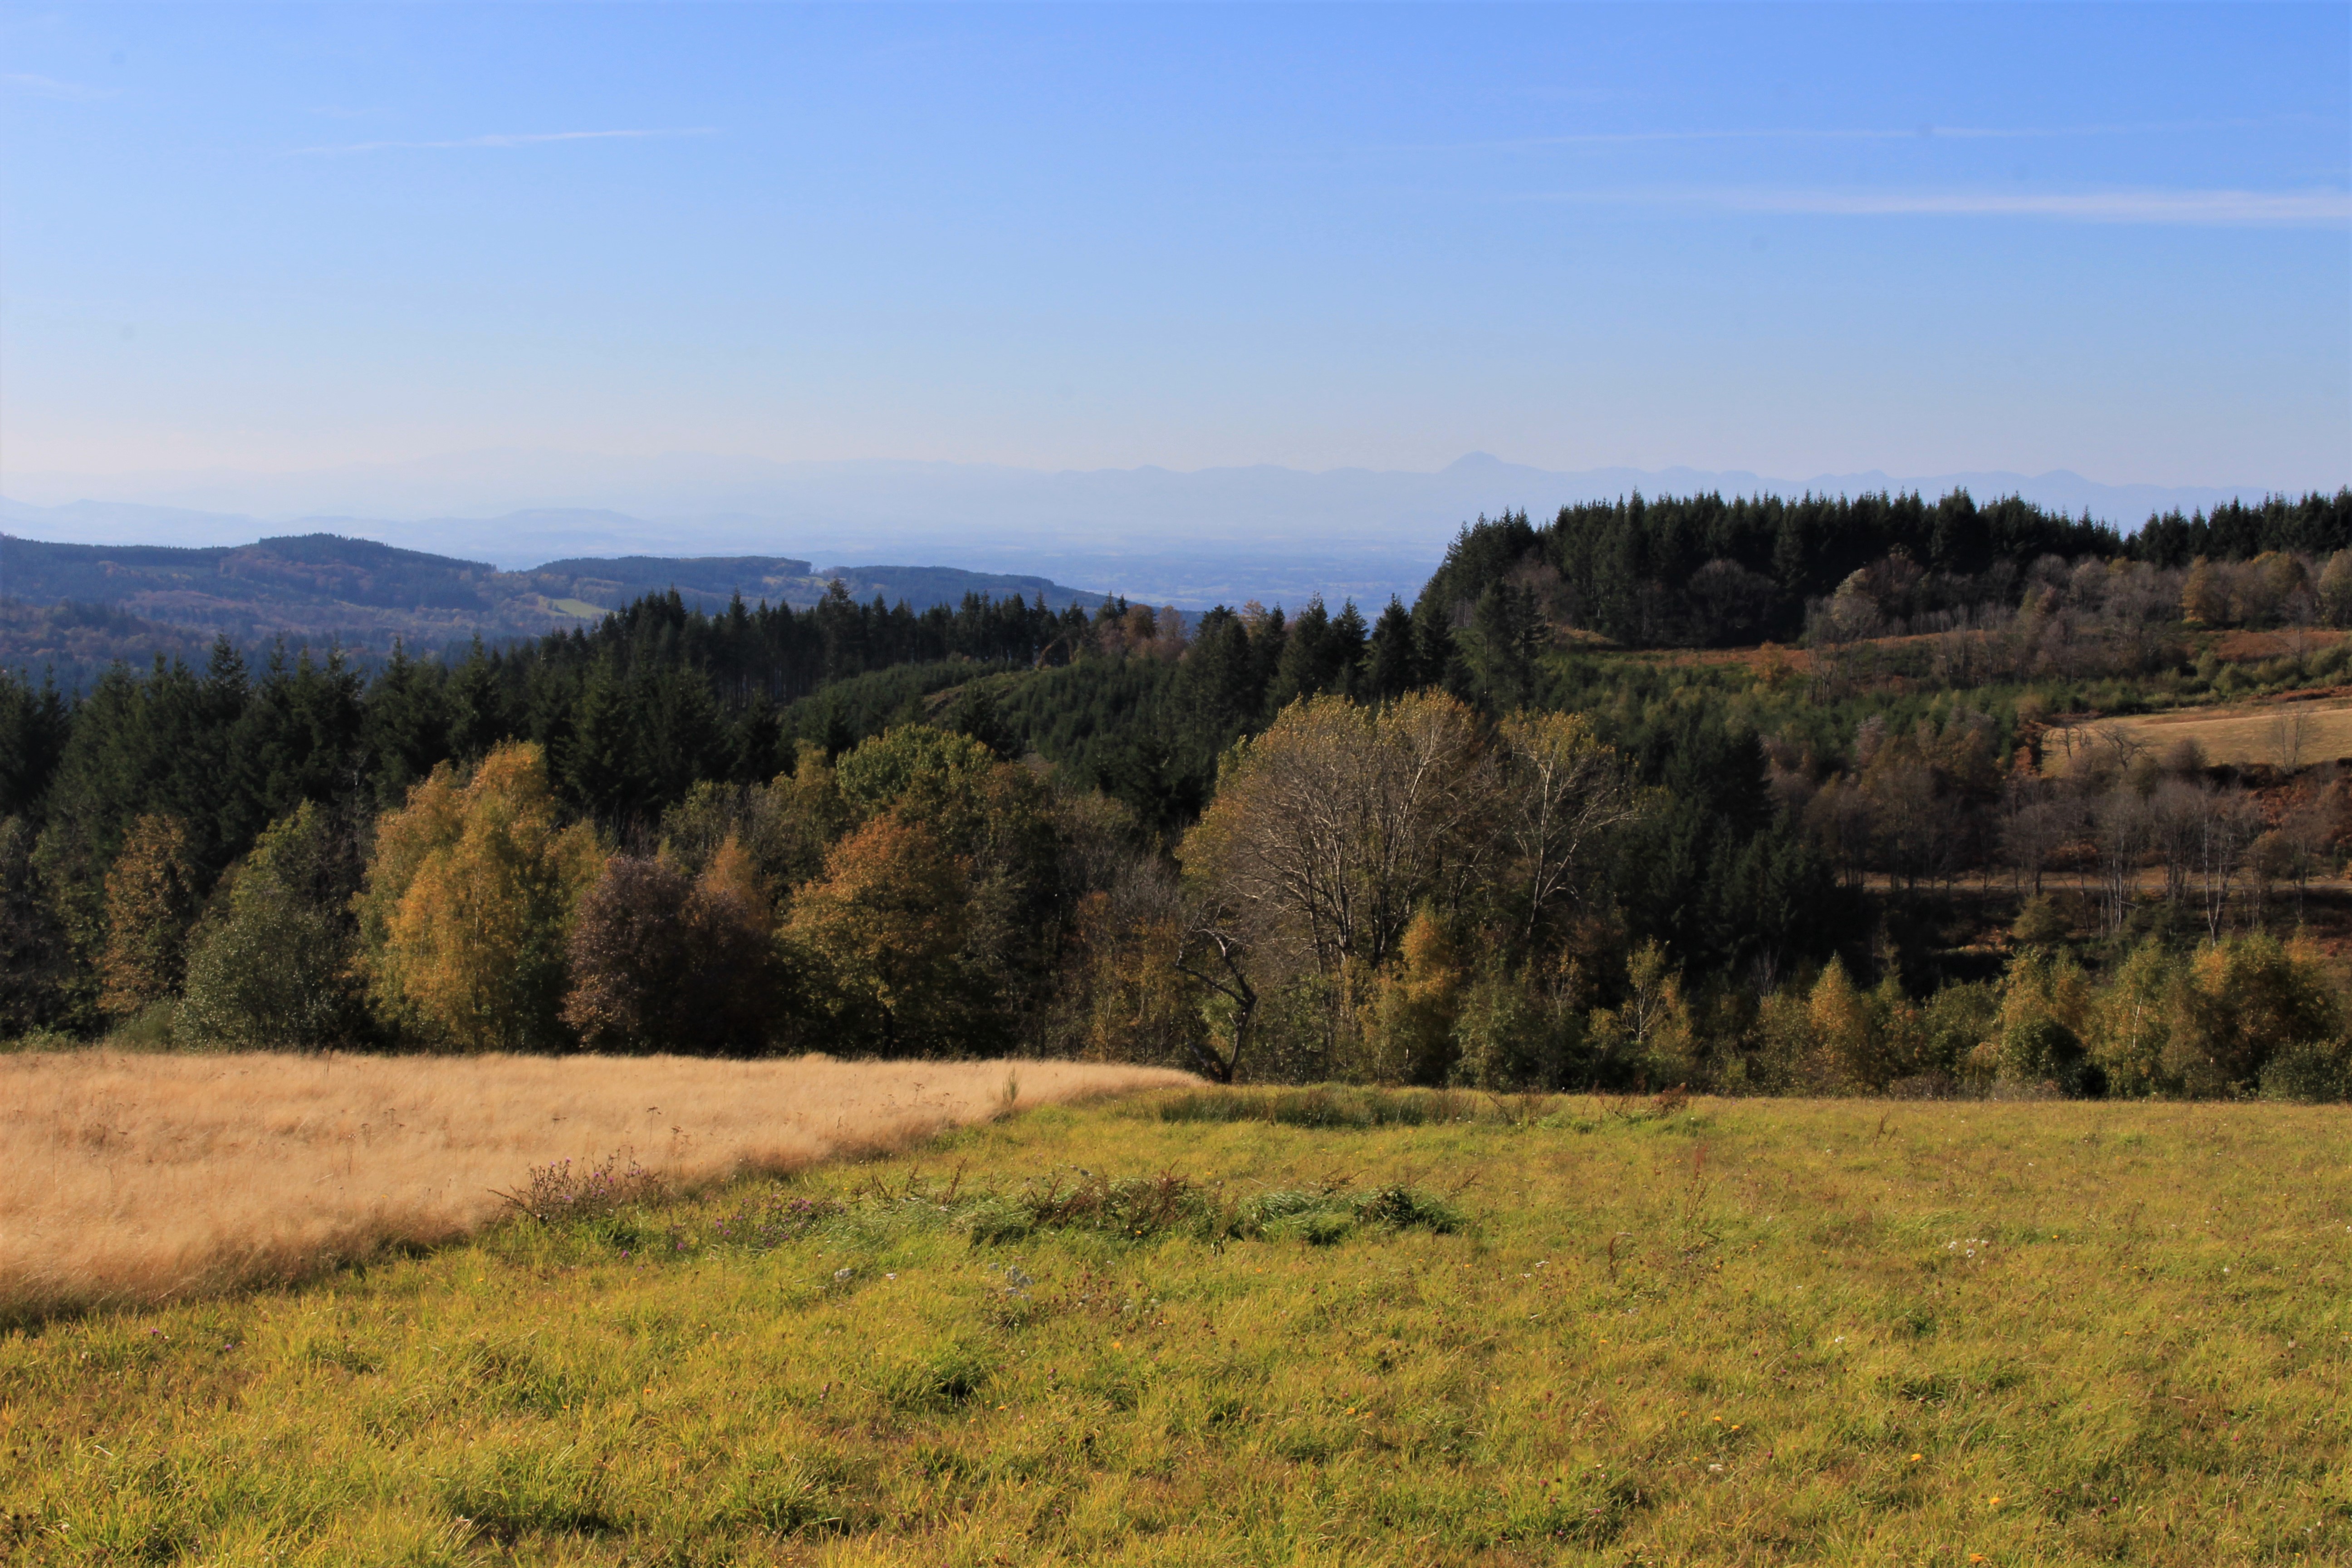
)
(59, 602)
(1467, 841)
(1702, 570)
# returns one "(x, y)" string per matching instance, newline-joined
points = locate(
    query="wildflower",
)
(1915, 1458)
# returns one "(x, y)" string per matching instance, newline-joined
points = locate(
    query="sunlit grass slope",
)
(1745, 1333)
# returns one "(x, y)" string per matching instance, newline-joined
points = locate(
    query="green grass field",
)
(1565, 1332)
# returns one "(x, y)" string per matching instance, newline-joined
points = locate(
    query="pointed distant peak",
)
(1475, 462)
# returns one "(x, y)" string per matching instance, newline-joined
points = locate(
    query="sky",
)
(2114, 239)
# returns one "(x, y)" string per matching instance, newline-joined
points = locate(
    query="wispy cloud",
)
(2222, 209)
(2227, 208)
(526, 139)
(1924, 133)
(49, 86)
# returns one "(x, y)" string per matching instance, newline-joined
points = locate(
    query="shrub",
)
(1957, 1019)
(270, 978)
(559, 1192)
(2038, 1037)
(2309, 1070)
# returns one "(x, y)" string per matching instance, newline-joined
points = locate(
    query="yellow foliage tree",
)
(1838, 1015)
(2046, 1009)
(2204, 597)
(1414, 1006)
(468, 904)
(2243, 1000)
(735, 873)
(150, 902)
(1651, 1038)
(885, 924)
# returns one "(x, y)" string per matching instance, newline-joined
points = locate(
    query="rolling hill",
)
(321, 587)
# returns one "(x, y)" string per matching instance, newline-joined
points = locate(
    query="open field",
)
(130, 1177)
(2306, 729)
(1754, 1332)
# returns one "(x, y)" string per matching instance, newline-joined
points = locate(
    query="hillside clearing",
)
(1747, 1331)
(2286, 735)
(136, 1177)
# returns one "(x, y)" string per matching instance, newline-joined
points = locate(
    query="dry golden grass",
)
(133, 1178)
(2237, 732)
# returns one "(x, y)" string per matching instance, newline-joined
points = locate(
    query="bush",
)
(2309, 1070)
(269, 979)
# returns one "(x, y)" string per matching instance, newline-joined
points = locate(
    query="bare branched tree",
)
(1561, 791)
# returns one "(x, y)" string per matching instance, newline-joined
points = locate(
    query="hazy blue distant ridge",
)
(1157, 534)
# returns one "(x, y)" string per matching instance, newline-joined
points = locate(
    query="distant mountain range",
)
(321, 587)
(1187, 538)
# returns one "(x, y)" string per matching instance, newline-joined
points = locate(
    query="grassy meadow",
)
(1292, 1327)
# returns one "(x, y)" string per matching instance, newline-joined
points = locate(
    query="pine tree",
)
(1390, 667)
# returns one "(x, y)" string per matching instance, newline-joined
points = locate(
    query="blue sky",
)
(2115, 239)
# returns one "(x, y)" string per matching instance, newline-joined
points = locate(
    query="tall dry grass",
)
(136, 1178)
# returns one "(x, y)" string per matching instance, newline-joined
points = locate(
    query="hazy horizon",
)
(1192, 539)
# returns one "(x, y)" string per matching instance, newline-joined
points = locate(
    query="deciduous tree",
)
(151, 900)
(469, 907)
(885, 925)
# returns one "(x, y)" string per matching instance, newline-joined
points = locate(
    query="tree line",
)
(1705, 571)
(1431, 846)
